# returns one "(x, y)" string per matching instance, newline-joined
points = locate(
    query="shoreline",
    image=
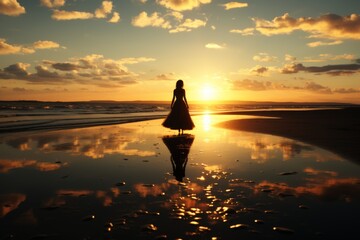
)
(336, 130)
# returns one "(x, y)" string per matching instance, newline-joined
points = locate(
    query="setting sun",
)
(208, 93)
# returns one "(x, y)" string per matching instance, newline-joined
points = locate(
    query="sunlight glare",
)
(208, 93)
(206, 121)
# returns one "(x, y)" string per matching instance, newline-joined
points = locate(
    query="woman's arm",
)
(187, 105)
(172, 101)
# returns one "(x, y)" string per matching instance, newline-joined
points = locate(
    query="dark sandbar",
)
(336, 130)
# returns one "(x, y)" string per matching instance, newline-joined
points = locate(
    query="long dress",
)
(179, 117)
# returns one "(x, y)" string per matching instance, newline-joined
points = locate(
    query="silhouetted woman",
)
(179, 117)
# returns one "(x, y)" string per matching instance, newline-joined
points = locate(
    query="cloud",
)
(62, 15)
(17, 70)
(329, 57)
(321, 43)
(232, 5)
(6, 48)
(126, 61)
(45, 45)
(104, 10)
(10, 201)
(259, 70)
(165, 76)
(8, 165)
(11, 8)
(196, 23)
(314, 87)
(188, 25)
(90, 70)
(329, 26)
(214, 46)
(177, 15)
(52, 3)
(115, 18)
(289, 58)
(182, 5)
(154, 20)
(329, 69)
(66, 66)
(244, 32)
(264, 57)
(254, 85)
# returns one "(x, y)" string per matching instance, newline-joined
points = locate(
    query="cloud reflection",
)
(8, 165)
(323, 184)
(91, 142)
(9, 202)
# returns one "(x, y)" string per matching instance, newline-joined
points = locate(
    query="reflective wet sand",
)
(140, 181)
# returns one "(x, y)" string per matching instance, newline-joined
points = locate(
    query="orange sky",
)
(65, 50)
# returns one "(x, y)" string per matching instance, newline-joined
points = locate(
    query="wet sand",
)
(336, 130)
(140, 181)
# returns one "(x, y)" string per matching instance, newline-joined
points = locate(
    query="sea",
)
(70, 171)
(40, 115)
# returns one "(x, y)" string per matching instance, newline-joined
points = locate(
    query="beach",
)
(269, 174)
(336, 130)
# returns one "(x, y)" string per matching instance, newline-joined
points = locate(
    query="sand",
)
(336, 130)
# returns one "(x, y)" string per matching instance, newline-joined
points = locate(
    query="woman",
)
(179, 117)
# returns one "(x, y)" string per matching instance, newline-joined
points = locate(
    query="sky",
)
(254, 50)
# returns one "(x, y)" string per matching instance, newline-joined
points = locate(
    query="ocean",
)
(36, 115)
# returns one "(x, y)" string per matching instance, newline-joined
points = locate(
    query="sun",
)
(208, 93)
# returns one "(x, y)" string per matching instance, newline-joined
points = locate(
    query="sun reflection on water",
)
(206, 121)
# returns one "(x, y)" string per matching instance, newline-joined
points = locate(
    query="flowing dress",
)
(179, 117)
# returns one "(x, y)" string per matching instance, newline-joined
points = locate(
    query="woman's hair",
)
(179, 84)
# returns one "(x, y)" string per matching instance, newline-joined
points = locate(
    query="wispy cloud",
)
(105, 9)
(52, 3)
(45, 45)
(172, 21)
(214, 46)
(182, 5)
(255, 85)
(244, 32)
(259, 70)
(188, 25)
(7, 48)
(61, 15)
(322, 43)
(154, 20)
(11, 8)
(165, 76)
(329, 57)
(289, 58)
(232, 5)
(264, 57)
(330, 26)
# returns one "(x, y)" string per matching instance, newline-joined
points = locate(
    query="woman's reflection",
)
(179, 147)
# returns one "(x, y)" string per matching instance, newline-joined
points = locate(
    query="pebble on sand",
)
(283, 230)
(239, 226)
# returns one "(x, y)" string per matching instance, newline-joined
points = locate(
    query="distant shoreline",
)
(336, 130)
(266, 103)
